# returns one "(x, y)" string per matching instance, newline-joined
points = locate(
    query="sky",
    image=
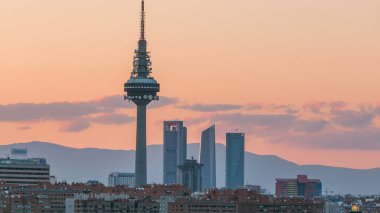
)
(300, 78)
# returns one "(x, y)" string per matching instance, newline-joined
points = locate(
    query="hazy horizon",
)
(189, 143)
(261, 170)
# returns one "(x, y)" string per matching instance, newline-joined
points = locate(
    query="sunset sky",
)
(300, 77)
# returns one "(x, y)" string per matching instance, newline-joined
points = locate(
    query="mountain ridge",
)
(80, 165)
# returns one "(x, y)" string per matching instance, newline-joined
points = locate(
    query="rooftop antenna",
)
(142, 30)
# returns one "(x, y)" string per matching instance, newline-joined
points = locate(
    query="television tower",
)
(141, 89)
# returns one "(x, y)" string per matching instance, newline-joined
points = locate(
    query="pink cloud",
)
(74, 126)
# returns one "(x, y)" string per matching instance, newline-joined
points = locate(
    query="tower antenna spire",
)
(142, 32)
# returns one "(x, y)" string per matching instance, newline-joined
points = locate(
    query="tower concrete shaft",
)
(140, 163)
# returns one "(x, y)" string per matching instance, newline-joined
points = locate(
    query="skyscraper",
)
(190, 175)
(175, 142)
(141, 88)
(207, 158)
(235, 160)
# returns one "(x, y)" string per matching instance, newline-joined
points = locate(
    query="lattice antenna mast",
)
(142, 30)
(142, 64)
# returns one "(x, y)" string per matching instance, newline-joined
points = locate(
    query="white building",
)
(24, 171)
(121, 179)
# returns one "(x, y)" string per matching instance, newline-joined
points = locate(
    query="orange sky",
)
(271, 52)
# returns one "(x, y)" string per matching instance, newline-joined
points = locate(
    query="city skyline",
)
(309, 90)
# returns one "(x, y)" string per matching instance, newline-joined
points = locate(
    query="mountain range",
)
(80, 165)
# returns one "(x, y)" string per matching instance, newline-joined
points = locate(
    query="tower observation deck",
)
(141, 89)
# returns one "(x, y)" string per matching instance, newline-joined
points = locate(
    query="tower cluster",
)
(141, 89)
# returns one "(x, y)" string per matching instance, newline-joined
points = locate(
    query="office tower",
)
(24, 172)
(301, 186)
(190, 175)
(175, 142)
(121, 179)
(235, 160)
(141, 89)
(207, 158)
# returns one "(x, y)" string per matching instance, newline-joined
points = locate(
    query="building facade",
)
(207, 158)
(282, 206)
(235, 160)
(244, 201)
(83, 197)
(36, 199)
(191, 175)
(108, 202)
(175, 150)
(117, 205)
(24, 171)
(121, 179)
(191, 205)
(301, 187)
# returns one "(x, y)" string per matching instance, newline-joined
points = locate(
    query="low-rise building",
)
(282, 206)
(191, 205)
(24, 171)
(117, 205)
(245, 201)
(83, 197)
(121, 179)
(299, 187)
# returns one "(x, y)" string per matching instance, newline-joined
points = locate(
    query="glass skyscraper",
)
(235, 160)
(207, 158)
(175, 150)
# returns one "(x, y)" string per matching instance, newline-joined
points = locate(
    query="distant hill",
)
(75, 165)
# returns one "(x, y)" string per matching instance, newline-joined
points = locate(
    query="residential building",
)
(115, 205)
(282, 206)
(244, 201)
(192, 205)
(25, 199)
(82, 197)
(256, 188)
(301, 187)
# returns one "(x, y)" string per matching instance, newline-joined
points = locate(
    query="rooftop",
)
(29, 161)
